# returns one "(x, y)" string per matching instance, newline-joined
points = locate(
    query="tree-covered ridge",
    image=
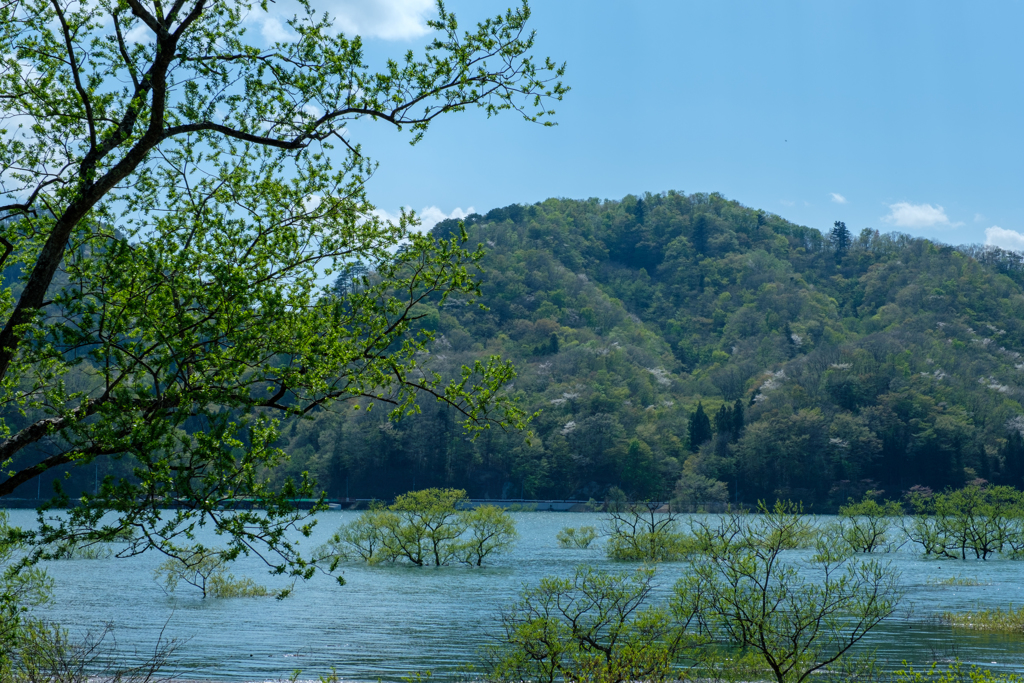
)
(687, 346)
(878, 357)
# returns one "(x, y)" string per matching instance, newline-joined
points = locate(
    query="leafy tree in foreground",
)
(591, 626)
(744, 592)
(18, 591)
(174, 194)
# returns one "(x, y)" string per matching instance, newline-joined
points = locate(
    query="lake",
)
(389, 622)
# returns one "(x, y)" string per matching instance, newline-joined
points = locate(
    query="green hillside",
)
(825, 368)
(685, 346)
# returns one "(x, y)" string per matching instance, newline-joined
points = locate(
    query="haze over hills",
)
(687, 346)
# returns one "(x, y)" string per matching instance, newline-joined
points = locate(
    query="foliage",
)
(892, 368)
(367, 538)
(797, 620)
(46, 653)
(572, 537)
(978, 520)
(957, 581)
(641, 532)
(997, 619)
(206, 570)
(699, 428)
(953, 673)
(868, 526)
(21, 587)
(429, 526)
(422, 528)
(490, 531)
(591, 627)
(171, 201)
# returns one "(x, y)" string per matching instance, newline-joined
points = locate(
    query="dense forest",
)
(687, 347)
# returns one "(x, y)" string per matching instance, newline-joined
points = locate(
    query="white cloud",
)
(140, 33)
(429, 216)
(786, 202)
(1005, 239)
(907, 215)
(273, 31)
(387, 19)
(838, 198)
(979, 217)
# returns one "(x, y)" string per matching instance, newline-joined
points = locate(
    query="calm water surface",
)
(389, 622)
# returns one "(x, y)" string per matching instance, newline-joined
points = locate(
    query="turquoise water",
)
(389, 622)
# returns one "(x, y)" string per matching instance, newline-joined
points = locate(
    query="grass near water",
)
(995, 620)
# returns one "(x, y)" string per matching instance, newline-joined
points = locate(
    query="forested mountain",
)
(686, 346)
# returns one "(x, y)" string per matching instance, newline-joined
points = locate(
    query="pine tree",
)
(840, 238)
(1013, 459)
(699, 428)
(791, 347)
(638, 212)
(737, 419)
(723, 420)
(700, 234)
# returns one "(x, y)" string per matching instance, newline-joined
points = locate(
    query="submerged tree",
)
(431, 527)
(795, 618)
(592, 626)
(175, 193)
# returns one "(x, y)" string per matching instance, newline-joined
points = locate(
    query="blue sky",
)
(893, 115)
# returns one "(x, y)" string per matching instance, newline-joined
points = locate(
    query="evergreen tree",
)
(723, 420)
(737, 418)
(1013, 459)
(699, 428)
(638, 211)
(700, 233)
(791, 345)
(840, 238)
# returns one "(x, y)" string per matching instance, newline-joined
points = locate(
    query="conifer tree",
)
(700, 234)
(840, 238)
(737, 418)
(723, 420)
(700, 428)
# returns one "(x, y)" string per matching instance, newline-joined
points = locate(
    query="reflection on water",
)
(389, 622)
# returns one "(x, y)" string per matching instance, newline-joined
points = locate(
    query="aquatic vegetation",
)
(975, 521)
(996, 620)
(423, 528)
(957, 581)
(592, 626)
(954, 673)
(638, 532)
(206, 569)
(745, 594)
(570, 537)
(868, 527)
